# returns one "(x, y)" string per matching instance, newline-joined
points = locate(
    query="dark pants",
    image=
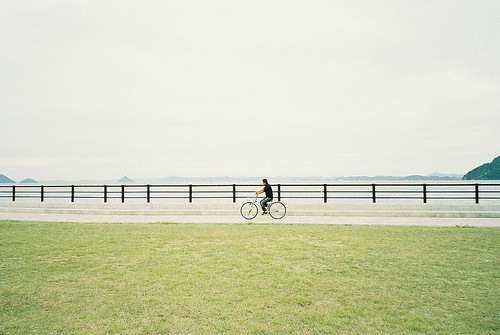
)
(263, 203)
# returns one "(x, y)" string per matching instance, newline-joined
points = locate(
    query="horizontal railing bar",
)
(49, 192)
(399, 192)
(452, 191)
(195, 197)
(305, 191)
(185, 192)
(350, 198)
(57, 197)
(402, 198)
(303, 198)
(169, 197)
(76, 193)
(228, 191)
(451, 198)
(27, 197)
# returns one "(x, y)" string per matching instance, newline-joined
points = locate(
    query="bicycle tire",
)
(249, 210)
(277, 210)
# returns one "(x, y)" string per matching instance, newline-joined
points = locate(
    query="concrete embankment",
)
(376, 214)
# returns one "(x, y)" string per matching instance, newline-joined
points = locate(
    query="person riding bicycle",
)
(269, 195)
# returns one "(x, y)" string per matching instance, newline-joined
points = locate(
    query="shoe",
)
(263, 213)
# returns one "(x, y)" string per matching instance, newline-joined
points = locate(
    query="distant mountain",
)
(311, 179)
(488, 171)
(125, 179)
(6, 180)
(28, 181)
(396, 178)
(432, 177)
(457, 176)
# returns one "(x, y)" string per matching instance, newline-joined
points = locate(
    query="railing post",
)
(374, 198)
(190, 193)
(105, 193)
(41, 193)
(325, 194)
(234, 193)
(123, 193)
(476, 189)
(148, 192)
(425, 193)
(13, 192)
(279, 192)
(72, 193)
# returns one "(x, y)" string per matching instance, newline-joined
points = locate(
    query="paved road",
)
(237, 219)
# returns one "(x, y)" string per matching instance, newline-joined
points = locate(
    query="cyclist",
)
(269, 195)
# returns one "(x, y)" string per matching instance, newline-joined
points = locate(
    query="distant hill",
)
(28, 181)
(488, 171)
(5, 180)
(125, 179)
(396, 178)
(315, 179)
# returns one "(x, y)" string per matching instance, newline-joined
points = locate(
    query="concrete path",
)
(444, 216)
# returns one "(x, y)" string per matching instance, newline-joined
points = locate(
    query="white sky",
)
(101, 89)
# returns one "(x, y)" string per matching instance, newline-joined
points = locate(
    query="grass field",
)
(65, 278)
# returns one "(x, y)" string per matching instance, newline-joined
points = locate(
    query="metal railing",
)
(322, 192)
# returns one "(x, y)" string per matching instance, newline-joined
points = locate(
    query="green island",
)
(488, 171)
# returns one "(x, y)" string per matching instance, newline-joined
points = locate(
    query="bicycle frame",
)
(256, 200)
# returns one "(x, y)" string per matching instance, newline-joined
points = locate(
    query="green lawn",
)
(66, 278)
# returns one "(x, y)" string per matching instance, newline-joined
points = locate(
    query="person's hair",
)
(265, 181)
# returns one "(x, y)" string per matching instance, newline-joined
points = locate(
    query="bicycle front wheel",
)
(277, 210)
(249, 210)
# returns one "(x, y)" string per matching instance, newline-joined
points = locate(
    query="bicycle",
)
(250, 209)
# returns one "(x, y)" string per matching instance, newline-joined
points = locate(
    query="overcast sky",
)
(101, 89)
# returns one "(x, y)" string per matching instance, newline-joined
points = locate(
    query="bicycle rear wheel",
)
(277, 210)
(249, 210)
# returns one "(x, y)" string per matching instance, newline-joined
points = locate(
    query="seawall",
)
(406, 214)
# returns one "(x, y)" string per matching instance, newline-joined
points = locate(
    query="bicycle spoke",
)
(249, 210)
